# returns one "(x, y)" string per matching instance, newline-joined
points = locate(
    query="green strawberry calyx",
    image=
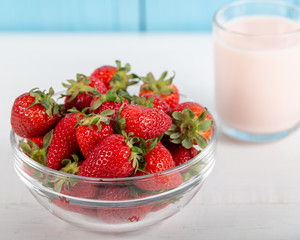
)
(143, 101)
(186, 128)
(71, 167)
(121, 79)
(46, 100)
(160, 86)
(80, 85)
(139, 148)
(34, 152)
(111, 96)
(96, 119)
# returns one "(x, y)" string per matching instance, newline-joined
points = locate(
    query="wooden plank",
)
(129, 15)
(109, 15)
(69, 15)
(179, 15)
(196, 221)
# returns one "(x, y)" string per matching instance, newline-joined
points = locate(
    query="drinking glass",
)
(257, 69)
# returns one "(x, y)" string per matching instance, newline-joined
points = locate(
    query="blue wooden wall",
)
(109, 15)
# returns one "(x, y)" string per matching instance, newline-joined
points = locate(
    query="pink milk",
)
(257, 63)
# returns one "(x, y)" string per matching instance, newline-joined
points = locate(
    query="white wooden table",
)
(252, 193)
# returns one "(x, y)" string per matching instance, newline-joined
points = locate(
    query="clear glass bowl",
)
(133, 202)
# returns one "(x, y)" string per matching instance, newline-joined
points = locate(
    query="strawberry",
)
(81, 92)
(65, 204)
(162, 88)
(157, 160)
(34, 114)
(115, 77)
(105, 73)
(91, 130)
(145, 122)
(37, 153)
(192, 124)
(117, 156)
(63, 143)
(111, 100)
(109, 159)
(181, 154)
(121, 214)
(197, 109)
(111, 105)
(75, 188)
(152, 100)
(37, 140)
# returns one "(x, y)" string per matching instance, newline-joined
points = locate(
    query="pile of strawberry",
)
(102, 131)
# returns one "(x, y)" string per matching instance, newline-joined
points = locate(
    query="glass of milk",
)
(257, 69)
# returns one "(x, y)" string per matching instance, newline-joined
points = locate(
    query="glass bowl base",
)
(258, 138)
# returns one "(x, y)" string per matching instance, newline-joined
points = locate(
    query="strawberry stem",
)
(187, 128)
(81, 85)
(159, 86)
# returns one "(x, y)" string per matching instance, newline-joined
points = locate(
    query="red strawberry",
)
(181, 154)
(37, 140)
(111, 101)
(115, 77)
(63, 143)
(105, 73)
(152, 100)
(197, 109)
(120, 214)
(113, 106)
(192, 124)
(157, 160)
(81, 189)
(80, 93)
(145, 122)
(162, 88)
(34, 114)
(89, 133)
(37, 153)
(64, 202)
(109, 159)
(75, 188)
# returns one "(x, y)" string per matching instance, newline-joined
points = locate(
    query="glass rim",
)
(242, 2)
